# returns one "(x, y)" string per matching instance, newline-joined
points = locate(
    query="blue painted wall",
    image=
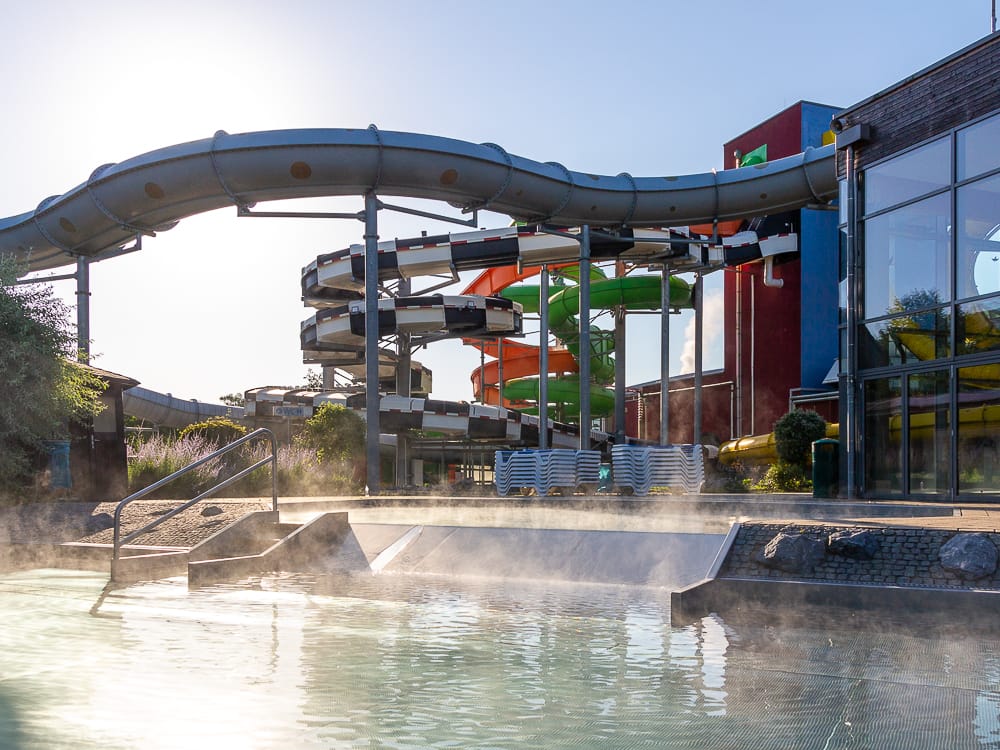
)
(818, 247)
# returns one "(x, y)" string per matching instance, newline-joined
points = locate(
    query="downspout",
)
(769, 278)
(753, 357)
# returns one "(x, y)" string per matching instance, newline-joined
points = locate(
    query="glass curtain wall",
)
(928, 336)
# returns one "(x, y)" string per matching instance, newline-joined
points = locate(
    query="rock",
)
(793, 552)
(211, 510)
(99, 522)
(856, 543)
(969, 556)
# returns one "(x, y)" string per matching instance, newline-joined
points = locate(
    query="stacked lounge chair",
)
(681, 468)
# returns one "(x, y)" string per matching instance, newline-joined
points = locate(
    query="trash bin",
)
(826, 467)
(59, 475)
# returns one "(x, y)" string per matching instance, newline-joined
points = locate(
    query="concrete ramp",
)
(611, 557)
(324, 544)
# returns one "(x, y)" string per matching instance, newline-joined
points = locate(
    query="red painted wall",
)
(762, 323)
(762, 349)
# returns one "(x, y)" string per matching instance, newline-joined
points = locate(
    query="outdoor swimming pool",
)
(421, 661)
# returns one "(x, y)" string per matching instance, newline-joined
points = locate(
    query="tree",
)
(314, 380)
(44, 387)
(795, 433)
(233, 399)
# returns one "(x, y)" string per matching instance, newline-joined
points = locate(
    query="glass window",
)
(979, 326)
(842, 187)
(907, 258)
(977, 148)
(906, 339)
(978, 447)
(842, 285)
(929, 433)
(913, 174)
(883, 436)
(979, 238)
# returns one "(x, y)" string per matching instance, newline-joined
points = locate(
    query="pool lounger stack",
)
(679, 467)
(545, 470)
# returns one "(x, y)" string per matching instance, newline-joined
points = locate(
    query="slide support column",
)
(543, 360)
(665, 357)
(620, 367)
(372, 398)
(584, 356)
(83, 309)
(403, 375)
(698, 336)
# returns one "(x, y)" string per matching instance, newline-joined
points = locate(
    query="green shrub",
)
(335, 433)
(218, 430)
(784, 477)
(795, 433)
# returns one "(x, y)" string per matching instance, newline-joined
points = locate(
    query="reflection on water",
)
(416, 662)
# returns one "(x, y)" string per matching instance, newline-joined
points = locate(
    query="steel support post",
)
(372, 398)
(665, 357)
(584, 350)
(543, 360)
(403, 375)
(698, 341)
(83, 309)
(500, 371)
(620, 375)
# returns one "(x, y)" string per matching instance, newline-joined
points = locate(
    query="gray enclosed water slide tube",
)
(152, 192)
(167, 410)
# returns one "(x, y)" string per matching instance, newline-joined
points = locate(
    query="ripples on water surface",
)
(418, 662)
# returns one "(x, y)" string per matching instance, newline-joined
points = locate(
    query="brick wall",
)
(958, 89)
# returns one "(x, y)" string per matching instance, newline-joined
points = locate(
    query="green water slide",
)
(632, 292)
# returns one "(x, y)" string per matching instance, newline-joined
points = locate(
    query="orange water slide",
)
(519, 360)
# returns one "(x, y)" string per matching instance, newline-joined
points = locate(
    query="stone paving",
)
(907, 555)
(91, 522)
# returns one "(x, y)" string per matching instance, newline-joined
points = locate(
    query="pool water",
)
(428, 662)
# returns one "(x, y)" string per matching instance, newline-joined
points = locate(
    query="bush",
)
(335, 433)
(218, 430)
(784, 477)
(795, 433)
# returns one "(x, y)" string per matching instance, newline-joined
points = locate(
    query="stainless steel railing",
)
(260, 433)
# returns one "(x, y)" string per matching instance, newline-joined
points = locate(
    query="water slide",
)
(167, 410)
(152, 192)
(520, 361)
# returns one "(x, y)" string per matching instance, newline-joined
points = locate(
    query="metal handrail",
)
(272, 459)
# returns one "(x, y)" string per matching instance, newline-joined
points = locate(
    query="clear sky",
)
(213, 305)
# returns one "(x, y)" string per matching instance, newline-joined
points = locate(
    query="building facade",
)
(919, 307)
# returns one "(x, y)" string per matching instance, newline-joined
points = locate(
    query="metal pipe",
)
(665, 357)
(372, 397)
(769, 278)
(543, 360)
(850, 435)
(83, 309)
(698, 336)
(753, 355)
(584, 357)
(482, 371)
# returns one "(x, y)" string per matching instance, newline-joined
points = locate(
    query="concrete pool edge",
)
(774, 600)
